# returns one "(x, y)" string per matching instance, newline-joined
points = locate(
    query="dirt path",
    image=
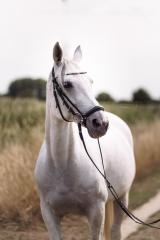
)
(143, 212)
(74, 227)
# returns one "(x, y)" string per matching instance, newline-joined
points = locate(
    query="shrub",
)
(141, 96)
(28, 87)
(104, 97)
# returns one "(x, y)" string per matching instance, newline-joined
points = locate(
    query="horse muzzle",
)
(97, 125)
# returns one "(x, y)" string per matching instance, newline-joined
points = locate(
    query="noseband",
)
(82, 117)
(58, 91)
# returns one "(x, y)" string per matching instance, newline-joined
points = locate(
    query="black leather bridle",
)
(82, 117)
(57, 91)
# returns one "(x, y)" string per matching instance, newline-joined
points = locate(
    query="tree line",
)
(36, 88)
(140, 95)
(28, 87)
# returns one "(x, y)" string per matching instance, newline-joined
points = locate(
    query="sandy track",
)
(143, 212)
(73, 228)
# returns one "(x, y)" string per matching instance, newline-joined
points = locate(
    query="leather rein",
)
(81, 117)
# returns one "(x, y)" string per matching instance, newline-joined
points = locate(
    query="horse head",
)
(76, 84)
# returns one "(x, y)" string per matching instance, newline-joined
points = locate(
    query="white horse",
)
(67, 180)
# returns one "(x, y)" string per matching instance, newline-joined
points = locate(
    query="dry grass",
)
(147, 147)
(18, 197)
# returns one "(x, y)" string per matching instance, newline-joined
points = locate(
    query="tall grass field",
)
(21, 134)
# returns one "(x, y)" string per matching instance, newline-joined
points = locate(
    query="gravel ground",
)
(73, 228)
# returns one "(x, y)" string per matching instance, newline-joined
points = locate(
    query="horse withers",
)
(67, 181)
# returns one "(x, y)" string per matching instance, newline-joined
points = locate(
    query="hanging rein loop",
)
(111, 188)
(57, 90)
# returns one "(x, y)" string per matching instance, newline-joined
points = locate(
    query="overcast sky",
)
(120, 40)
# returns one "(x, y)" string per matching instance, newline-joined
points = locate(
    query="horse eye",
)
(67, 84)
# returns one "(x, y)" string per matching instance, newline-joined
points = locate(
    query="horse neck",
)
(59, 137)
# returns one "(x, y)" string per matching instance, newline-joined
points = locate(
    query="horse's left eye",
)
(67, 84)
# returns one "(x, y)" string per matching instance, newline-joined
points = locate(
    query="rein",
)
(57, 91)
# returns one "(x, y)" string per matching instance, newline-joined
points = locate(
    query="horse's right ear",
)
(57, 53)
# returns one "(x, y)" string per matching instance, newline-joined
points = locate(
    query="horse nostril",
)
(105, 124)
(96, 123)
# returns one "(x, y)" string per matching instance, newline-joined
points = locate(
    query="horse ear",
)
(57, 53)
(77, 54)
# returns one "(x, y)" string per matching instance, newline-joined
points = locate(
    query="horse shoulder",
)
(119, 154)
(121, 126)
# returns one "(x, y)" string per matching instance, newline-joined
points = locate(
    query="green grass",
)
(30, 112)
(18, 118)
(21, 112)
(145, 188)
(133, 113)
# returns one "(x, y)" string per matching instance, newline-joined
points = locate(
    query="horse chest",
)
(74, 193)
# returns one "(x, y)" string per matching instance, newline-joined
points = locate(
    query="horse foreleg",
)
(108, 219)
(118, 218)
(51, 221)
(96, 219)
